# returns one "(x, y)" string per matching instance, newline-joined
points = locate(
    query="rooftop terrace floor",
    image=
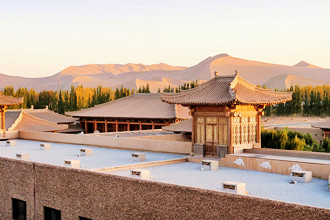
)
(258, 184)
(101, 157)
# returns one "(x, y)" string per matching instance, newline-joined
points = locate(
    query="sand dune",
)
(161, 75)
(286, 81)
(308, 65)
(116, 69)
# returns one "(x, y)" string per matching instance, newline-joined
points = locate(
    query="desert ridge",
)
(160, 76)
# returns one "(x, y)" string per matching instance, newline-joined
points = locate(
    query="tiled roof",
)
(227, 90)
(139, 105)
(51, 116)
(323, 125)
(182, 126)
(27, 122)
(9, 100)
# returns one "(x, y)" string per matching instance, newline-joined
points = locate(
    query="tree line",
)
(178, 89)
(66, 100)
(306, 101)
(77, 98)
(290, 140)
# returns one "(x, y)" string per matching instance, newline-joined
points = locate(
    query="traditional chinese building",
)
(324, 126)
(40, 120)
(6, 101)
(141, 111)
(226, 114)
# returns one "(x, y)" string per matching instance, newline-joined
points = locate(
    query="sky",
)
(41, 38)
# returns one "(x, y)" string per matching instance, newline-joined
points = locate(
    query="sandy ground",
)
(290, 121)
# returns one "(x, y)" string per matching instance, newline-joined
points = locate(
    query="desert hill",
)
(115, 69)
(305, 64)
(286, 81)
(162, 75)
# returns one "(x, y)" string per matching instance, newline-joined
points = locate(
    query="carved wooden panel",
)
(209, 133)
(223, 134)
(211, 120)
(200, 119)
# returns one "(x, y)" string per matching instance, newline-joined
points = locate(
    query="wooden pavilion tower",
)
(6, 101)
(226, 114)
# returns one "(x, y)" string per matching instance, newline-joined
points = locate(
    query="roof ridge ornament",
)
(235, 80)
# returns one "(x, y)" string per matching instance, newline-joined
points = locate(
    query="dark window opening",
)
(101, 127)
(122, 127)
(159, 126)
(146, 127)
(19, 209)
(83, 218)
(111, 127)
(134, 127)
(90, 127)
(52, 214)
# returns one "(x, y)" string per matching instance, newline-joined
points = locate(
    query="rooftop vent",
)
(72, 163)
(301, 176)
(10, 143)
(210, 165)
(23, 156)
(86, 151)
(234, 187)
(138, 156)
(45, 146)
(141, 173)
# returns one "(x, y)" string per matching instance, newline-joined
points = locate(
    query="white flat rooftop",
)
(101, 157)
(258, 184)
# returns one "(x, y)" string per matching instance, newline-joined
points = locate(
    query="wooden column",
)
(116, 126)
(230, 134)
(86, 127)
(259, 109)
(153, 125)
(95, 125)
(258, 128)
(193, 129)
(106, 126)
(3, 120)
(128, 126)
(140, 123)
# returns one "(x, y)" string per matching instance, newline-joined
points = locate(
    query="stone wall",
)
(168, 137)
(290, 153)
(103, 196)
(278, 165)
(166, 146)
(9, 135)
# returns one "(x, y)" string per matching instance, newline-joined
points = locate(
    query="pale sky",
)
(41, 38)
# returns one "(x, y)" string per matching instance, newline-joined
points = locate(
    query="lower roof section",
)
(182, 126)
(139, 105)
